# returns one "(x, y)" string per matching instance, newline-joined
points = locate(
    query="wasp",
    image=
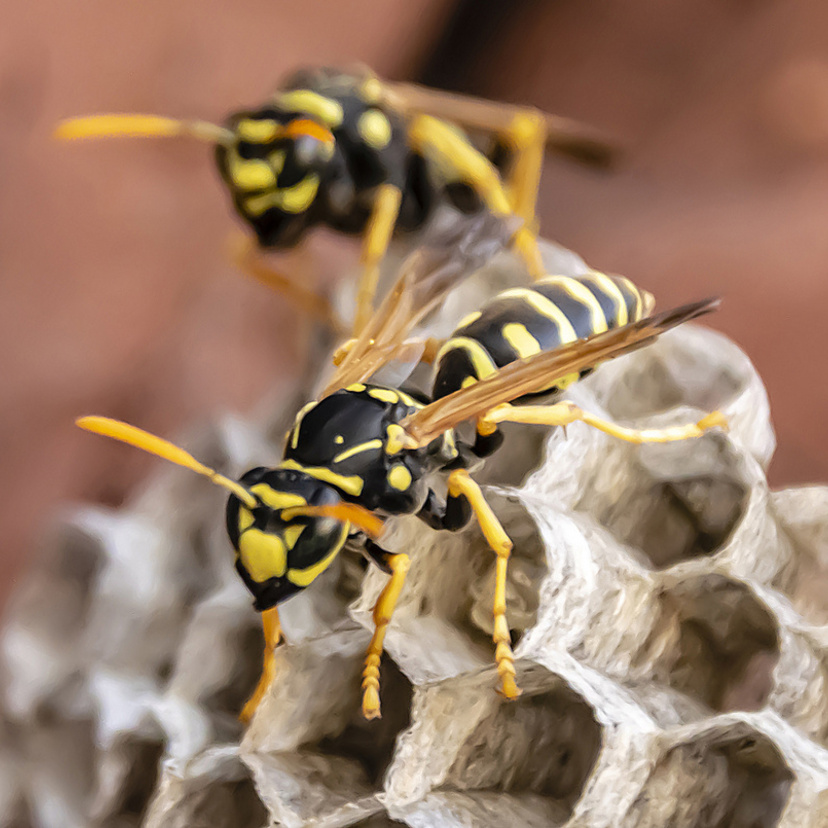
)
(361, 452)
(364, 156)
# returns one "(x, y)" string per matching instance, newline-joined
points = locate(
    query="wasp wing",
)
(567, 137)
(427, 275)
(536, 373)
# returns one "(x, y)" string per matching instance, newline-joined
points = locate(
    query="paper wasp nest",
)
(669, 613)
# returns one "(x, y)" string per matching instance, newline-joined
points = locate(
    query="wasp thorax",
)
(280, 551)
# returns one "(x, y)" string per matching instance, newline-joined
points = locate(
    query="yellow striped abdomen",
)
(520, 322)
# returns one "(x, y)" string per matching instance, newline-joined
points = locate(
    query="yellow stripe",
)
(521, 341)
(384, 394)
(581, 293)
(263, 555)
(395, 435)
(258, 131)
(640, 306)
(276, 499)
(303, 577)
(249, 174)
(545, 307)
(352, 484)
(297, 423)
(312, 103)
(292, 533)
(467, 320)
(295, 199)
(409, 400)
(246, 519)
(369, 446)
(481, 361)
(611, 291)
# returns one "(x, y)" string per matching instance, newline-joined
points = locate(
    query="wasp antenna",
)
(139, 126)
(359, 516)
(129, 434)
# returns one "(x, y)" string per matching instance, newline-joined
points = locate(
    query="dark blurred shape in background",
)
(118, 296)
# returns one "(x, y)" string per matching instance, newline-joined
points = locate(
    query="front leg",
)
(397, 566)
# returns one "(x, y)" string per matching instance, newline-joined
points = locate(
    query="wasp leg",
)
(273, 635)
(383, 610)
(568, 137)
(565, 412)
(247, 258)
(375, 241)
(450, 516)
(459, 160)
(428, 349)
(460, 483)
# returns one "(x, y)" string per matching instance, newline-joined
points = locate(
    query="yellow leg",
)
(383, 610)
(457, 159)
(460, 483)
(273, 635)
(375, 243)
(247, 257)
(526, 139)
(564, 413)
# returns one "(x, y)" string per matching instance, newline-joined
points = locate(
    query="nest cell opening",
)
(543, 745)
(727, 643)
(727, 781)
(372, 744)
(681, 520)
(228, 804)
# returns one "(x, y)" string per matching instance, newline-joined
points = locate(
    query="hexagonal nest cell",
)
(727, 643)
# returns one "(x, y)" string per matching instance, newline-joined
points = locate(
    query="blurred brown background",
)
(118, 297)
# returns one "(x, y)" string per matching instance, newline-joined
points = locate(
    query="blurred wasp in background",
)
(363, 452)
(364, 156)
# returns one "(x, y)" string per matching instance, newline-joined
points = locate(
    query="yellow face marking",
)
(312, 103)
(371, 90)
(356, 387)
(263, 555)
(276, 159)
(467, 320)
(482, 362)
(276, 499)
(303, 577)
(374, 128)
(612, 291)
(399, 477)
(394, 440)
(246, 519)
(297, 423)
(371, 445)
(295, 199)
(258, 131)
(351, 485)
(467, 381)
(384, 395)
(339, 439)
(546, 308)
(521, 341)
(252, 174)
(292, 533)
(581, 293)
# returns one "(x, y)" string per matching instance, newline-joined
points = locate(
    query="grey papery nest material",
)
(669, 612)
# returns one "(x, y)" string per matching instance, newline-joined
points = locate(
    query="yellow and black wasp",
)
(362, 452)
(363, 156)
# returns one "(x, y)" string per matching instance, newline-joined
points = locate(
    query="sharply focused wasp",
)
(365, 156)
(363, 452)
